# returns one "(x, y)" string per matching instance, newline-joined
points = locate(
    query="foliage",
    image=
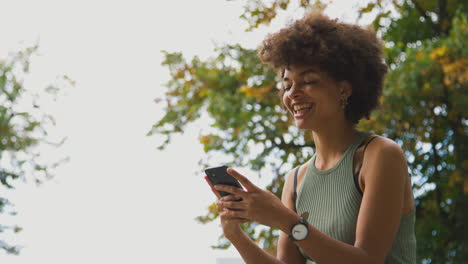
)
(21, 132)
(423, 105)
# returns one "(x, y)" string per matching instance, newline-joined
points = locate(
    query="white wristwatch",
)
(300, 230)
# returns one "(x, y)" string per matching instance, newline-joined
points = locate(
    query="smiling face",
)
(313, 97)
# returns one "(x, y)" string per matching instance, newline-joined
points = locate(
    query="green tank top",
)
(332, 201)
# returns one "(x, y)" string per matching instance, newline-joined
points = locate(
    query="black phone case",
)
(219, 175)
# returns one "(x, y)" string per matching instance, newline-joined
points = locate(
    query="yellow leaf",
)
(179, 74)
(173, 93)
(419, 55)
(246, 90)
(205, 140)
(382, 100)
(426, 87)
(456, 71)
(202, 93)
(438, 52)
(465, 186)
(368, 8)
(256, 92)
(213, 208)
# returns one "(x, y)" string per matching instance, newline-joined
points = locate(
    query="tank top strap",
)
(349, 154)
(360, 139)
(295, 186)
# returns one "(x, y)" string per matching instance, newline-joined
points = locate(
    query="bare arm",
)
(379, 215)
(384, 172)
(287, 250)
(251, 252)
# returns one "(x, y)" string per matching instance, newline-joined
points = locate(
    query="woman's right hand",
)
(231, 225)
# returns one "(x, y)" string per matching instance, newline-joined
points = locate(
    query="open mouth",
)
(301, 110)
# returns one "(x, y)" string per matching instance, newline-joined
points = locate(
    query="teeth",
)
(302, 106)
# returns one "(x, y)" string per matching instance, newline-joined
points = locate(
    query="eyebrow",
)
(302, 73)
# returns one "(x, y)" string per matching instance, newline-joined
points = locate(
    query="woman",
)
(352, 201)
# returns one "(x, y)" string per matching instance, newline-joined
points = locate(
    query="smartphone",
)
(219, 175)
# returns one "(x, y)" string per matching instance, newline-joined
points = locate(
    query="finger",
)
(235, 213)
(230, 189)
(219, 207)
(240, 220)
(242, 179)
(227, 214)
(237, 220)
(232, 214)
(231, 197)
(233, 205)
(212, 187)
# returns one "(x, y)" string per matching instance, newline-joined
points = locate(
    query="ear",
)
(345, 89)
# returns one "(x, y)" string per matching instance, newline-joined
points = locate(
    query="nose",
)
(294, 91)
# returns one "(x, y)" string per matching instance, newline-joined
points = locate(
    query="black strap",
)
(364, 151)
(356, 175)
(295, 186)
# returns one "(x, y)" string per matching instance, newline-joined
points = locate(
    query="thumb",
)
(243, 180)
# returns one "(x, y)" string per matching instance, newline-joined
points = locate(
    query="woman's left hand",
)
(258, 205)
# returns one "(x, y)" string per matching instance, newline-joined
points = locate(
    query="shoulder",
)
(301, 171)
(288, 188)
(382, 149)
(384, 158)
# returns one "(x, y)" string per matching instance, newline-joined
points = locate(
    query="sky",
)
(119, 199)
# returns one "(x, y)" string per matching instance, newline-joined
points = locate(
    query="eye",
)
(286, 87)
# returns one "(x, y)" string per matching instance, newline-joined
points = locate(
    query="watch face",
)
(299, 232)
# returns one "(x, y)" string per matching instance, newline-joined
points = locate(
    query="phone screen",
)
(219, 175)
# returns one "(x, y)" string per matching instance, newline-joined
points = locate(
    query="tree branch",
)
(442, 16)
(423, 12)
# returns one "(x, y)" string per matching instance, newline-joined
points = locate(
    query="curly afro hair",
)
(344, 51)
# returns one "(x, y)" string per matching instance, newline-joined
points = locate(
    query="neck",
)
(331, 143)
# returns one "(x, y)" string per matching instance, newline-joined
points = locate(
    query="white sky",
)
(119, 199)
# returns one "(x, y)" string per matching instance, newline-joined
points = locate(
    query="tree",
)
(21, 132)
(424, 101)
